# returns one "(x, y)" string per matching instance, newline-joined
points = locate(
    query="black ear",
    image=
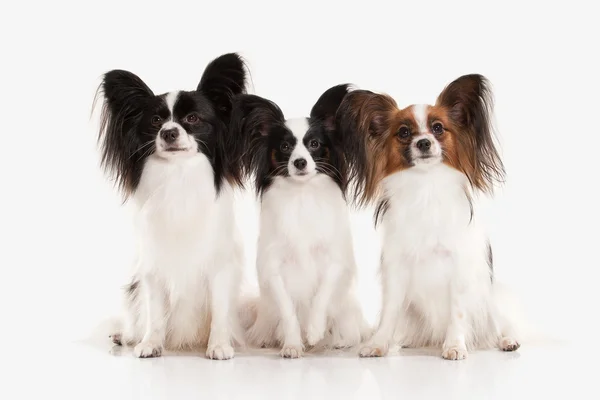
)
(125, 98)
(223, 78)
(470, 103)
(252, 119)
(253, 115)
(327, 105)
(124, 90)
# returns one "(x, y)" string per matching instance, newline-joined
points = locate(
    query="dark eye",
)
(437, 128)
(403, 132)
(192, 119)
(314, 144)
(285, 147)
(156, 120)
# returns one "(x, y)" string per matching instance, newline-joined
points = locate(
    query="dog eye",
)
(285, 147)
(403, 132)
(192, 119)
(156, 120)
(437, 128)
(314, 144)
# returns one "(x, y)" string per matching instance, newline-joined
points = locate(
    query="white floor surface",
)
(91, 371)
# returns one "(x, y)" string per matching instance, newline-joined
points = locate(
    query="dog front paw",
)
(509, 344)
(454, 353)
(116, 339)
(220, 352)
(291, 351)
(147, 350)
(373, 350)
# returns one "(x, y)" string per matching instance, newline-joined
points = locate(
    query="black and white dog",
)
(305, 258)
(171, 155)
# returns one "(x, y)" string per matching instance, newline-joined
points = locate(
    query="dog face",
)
(297, 149)
(137, 124)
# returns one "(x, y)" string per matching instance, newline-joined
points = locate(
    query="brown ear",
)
(462, 97)
(469, 103)
(364, 119)
(366, 112)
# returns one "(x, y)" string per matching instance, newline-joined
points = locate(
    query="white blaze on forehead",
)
(420, 113)
(298, 126)
(170, 100)
(182, 140)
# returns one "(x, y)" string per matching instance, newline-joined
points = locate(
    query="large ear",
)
(366, 113)
(326, 107)
(469, 102)
(364, 119)
(252, 118)
(125, 97)
(224, 78)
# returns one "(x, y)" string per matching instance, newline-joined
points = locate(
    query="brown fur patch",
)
(466, 105)
(367, 115)
(398, 147)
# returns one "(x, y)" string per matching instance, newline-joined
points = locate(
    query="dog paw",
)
(290, 351)
(454, 353)
(373, 351)
(116, 339)
(147, 350)
(509, 344)
(220, 352)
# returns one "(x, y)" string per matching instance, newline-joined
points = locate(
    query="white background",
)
(67, 240)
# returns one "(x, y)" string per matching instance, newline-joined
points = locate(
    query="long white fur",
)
(437, 290)
(305, 264)
(190, 257)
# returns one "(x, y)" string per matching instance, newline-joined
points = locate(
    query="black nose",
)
(169, 135)
(300, 163)
(423, 144)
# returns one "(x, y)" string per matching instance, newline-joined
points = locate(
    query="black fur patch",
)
(470, 200)
(490, 260)
(132, 289)
(380, 210)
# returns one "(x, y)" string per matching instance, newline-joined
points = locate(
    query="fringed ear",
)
(252, 119)
(223, 79)
(469, 104)
(364, 119)
(125, 97)
(326, 107)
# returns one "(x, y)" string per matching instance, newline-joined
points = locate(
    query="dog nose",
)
(169, 135)
(300, 163)
(423, 144)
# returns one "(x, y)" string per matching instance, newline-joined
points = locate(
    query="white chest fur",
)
(434, 251)
(304, 223)
(306, 268)
(180, 217)
(189, 259)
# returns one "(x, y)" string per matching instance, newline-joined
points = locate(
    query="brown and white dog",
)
(423, 166)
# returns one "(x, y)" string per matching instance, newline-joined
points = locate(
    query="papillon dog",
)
(305, 260)
(170, 155)
(422, 166)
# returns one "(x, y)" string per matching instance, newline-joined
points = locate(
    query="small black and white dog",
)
(170, 154)
(305, 259)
